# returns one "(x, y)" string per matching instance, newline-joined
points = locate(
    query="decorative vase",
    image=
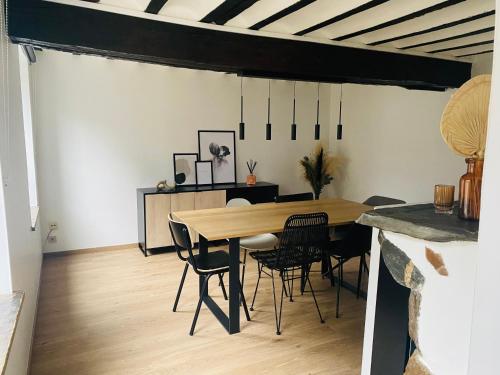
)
(470, 190)
(251, 179)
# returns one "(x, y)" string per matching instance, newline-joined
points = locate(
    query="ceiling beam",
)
(30, 53)
(282, 13)
(475, 32)
(63, 27)
(227, 10)
(349, 13)
(408, 17)
(435, 28)
(477, 53)
(462, 47)
(155, 6)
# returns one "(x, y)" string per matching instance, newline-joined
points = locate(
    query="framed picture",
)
(204, 172)
(185, 169)
(219, 146)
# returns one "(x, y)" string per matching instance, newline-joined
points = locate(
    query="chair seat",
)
(268, 258)
(213, 261)
(339, 249)
(266, 241)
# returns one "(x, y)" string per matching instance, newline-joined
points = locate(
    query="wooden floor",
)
(111, 313)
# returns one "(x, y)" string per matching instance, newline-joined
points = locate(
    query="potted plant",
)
(251, 178)
(318, 169)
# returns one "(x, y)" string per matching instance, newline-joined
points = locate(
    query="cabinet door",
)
(183, 202)
(210, 199)
(157, 231)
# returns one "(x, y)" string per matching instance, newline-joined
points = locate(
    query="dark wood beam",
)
(464, 46)
(66, 28)
(435, 28)
(477, 53)
(475, 32)
(30, 53)
(155, 6)
(408, 17)
(282, 13)
(227, 10)
(349, 13)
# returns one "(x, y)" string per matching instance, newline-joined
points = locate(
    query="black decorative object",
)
(339, 126)
(242, 124)
(204, 172)
(317, 128)
(268, 125)
(220, 147)
(185, 169)
(294, 125)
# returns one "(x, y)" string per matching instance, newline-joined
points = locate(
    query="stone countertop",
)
(10, 307)
(422, 222)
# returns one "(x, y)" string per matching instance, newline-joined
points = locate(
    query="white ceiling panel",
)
(448, 32)
(140, 5)
(375, 16)
(259, 11)
(439, 17)
(458, 42)
(193, 10)
(314, 13)
(469, 50)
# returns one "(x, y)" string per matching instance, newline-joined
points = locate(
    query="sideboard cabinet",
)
(154, 206)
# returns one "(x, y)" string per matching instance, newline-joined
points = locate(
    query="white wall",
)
(392, 143)
(486, 327)
(106, 127)
(24, 245)
(482, 64)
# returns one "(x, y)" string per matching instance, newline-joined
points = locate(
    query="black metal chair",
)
(294, 197)
(214, 263)
(355, 243)
(302, 243)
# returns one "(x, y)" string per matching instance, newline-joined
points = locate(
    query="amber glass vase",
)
(470, 190)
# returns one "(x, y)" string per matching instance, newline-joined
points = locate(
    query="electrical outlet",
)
(53, 225)
(52, 239)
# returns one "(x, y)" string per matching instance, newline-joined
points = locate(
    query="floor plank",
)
(111, 313)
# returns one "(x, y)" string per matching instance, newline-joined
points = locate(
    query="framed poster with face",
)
(204, 173)
(185, 169)
(219, 146)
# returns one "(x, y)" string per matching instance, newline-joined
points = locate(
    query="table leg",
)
(234, 285)
(203, 251)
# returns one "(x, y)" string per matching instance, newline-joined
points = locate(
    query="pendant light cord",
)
(269, 104)
(241, 93)
(317, 107)
(294, 84)
(340, 105)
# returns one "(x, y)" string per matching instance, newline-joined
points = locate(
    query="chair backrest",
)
(182, 240)
(303, 241)
(378, 200)
(294, 197)
(238, 202)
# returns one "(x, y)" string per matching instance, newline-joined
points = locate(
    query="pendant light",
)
(294, 125)
(242, 124)
(268, 125)
(339, 126)
(317, 128)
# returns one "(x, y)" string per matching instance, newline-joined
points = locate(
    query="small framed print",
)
(204, 172)
(185, 169)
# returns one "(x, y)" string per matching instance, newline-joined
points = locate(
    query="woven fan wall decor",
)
(465, 118)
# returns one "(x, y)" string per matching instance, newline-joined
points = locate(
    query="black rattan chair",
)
(294, 197)
(356, 242)
(302, 243)
(214, 263)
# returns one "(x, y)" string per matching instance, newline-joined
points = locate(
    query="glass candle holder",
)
(444, 196)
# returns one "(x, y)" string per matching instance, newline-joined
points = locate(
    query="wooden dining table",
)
(237, 222)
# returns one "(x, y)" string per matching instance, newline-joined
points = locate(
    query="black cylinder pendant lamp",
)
(294, 125)
(339, 126)
(268, 125)
(317, 128)
(242, 124)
